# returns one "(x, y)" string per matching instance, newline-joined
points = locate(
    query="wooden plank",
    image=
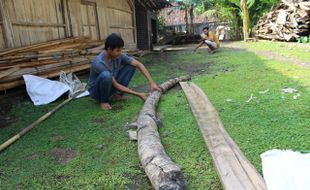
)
(2, 42)
(51, 74)
(7, 25)
(23, 23)
(41, 45)
(66, 16)
(8, 72)
(235, 171)
(44, 69)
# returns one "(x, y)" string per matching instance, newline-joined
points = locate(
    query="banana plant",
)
(244, 6)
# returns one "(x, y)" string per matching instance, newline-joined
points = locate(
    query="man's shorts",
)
(211, 43)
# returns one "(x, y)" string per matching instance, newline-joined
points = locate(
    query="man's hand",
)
(153, 87)
(143, 96)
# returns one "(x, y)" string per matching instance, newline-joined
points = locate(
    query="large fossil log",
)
(163, 173)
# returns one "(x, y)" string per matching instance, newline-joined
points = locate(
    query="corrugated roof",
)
(154, 4)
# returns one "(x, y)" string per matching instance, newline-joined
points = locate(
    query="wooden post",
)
(66, 18)
(134, 30)
(6, 25)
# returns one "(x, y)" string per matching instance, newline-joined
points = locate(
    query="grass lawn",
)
(293, 50)
(83, 147)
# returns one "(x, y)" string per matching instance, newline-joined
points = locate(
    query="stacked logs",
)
(285, 22)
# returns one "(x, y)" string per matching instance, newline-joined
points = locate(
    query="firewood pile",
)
(45, 60)
(285, 22)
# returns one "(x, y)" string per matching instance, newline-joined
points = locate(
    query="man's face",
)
(205, 31)
(115, 53)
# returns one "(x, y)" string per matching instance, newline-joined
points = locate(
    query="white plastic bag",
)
(286, 170)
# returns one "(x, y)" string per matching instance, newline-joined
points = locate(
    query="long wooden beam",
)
(234, 169)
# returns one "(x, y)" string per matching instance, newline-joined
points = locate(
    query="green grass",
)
(297, 51)
(108, 160)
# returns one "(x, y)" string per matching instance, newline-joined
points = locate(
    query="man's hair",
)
(113, 41)
(206, 27)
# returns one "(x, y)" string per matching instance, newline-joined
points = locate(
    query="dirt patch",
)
(99, 120)
(139, 182)
(193, 69)
(57, 138)
(142, 88)
(63, 155)
(8, 100)
(32, 157)
(61, 178)
(6, 121)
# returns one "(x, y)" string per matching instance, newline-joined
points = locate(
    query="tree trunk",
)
(191, 16)
(246, 19)
(160, 169)
(186, 18)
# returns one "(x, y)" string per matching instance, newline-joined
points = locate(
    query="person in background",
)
(209, 39)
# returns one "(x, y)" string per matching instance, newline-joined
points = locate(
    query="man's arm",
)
(144, 71)
(124, 89)
(199, 45)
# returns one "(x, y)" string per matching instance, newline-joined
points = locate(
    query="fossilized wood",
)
(163, 173)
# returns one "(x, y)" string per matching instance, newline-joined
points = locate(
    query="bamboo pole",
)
(31, 126)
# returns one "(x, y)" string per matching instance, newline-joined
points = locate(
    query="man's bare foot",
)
(210, 51)
(117, 97)
(105, 106)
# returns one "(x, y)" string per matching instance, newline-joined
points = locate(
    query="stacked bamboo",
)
(286, 22)
(45, 60)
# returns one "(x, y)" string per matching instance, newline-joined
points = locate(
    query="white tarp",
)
(286, 170)
(44, 91)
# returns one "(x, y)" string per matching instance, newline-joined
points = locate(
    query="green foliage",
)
(161, 22)
(250, 3)
(303, 39)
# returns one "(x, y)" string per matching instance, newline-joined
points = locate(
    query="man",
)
(210, 39)
(111, 72)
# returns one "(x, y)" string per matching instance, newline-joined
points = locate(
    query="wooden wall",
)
(117, 16)
(2, 43)
(35, 21)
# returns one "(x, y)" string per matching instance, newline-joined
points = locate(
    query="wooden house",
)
(27, 22)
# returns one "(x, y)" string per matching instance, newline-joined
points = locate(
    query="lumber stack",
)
(46, 59)
(285, 22)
